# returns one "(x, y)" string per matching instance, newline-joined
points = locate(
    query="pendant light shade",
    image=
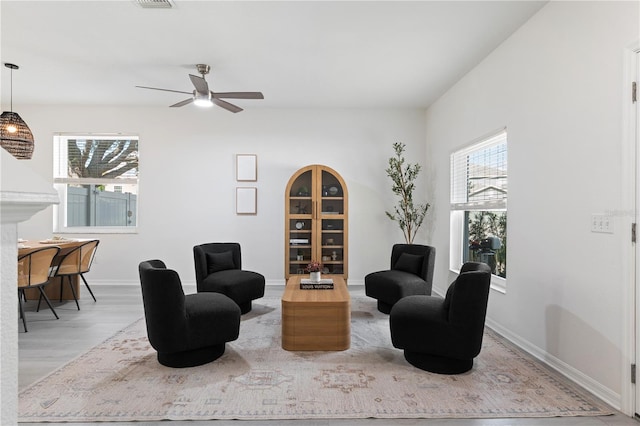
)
(15, 135)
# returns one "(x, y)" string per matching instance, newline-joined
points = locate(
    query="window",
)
(479, 205)
(97, 180)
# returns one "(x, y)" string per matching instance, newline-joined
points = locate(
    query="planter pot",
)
(315, 276)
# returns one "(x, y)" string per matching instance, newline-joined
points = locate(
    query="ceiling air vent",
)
(155, 4)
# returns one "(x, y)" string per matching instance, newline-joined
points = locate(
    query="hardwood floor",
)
(50, 343)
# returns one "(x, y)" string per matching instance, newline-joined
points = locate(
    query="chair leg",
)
(88, 288)
(73, 291)
(24, 320)
(46, 299)
(39, 300)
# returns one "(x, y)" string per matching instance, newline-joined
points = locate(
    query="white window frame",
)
(60, 184)
(457, 223)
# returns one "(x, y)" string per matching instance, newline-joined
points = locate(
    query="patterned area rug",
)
(121, 380)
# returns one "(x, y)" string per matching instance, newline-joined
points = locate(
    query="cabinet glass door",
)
(332, 222)
(300, 223)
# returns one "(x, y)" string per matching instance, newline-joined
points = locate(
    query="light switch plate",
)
(602, 223)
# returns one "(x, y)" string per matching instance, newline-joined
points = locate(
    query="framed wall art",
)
(246, 167)
(246, 200)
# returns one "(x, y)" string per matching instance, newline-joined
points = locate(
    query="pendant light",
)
(15, 135)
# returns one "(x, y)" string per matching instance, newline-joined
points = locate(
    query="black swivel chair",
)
(219, 269)
(444, 335)
(411, 273)
(185, 330)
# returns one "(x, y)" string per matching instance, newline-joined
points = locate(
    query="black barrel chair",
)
(185, 330)
(411, 273)
(444, 335)
(219, 269)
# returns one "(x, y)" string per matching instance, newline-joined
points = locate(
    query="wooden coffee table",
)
(316, 320)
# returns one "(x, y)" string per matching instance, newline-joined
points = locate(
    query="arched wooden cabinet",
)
(316, 221)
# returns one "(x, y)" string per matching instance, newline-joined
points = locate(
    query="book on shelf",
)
(324, 284)
(299, 241)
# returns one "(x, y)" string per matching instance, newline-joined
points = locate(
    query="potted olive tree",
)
(408, 215)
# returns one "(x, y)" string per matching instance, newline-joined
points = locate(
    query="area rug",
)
(121, 380)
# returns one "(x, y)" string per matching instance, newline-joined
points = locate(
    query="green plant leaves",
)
(408, 215)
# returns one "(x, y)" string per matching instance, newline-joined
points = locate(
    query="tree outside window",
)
(482, 226)
(102, 158)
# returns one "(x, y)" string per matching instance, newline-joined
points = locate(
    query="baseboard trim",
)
(97, 283)
(273, 282)
(597, 389)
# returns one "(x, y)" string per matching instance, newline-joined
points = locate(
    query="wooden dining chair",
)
(77, 262)
(34, 271)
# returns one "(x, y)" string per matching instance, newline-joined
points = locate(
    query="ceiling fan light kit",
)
(203, 100)
(203, 97)
(15, 135)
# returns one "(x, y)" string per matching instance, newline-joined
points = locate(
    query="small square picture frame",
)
(246, 167)
(246, 200)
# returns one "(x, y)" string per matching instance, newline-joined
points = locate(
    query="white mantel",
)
(23, 193)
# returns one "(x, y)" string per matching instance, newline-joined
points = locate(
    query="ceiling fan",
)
(202, 96)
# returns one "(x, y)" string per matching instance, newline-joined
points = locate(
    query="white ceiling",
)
(335, 54)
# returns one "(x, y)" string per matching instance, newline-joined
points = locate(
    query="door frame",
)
(630, 397)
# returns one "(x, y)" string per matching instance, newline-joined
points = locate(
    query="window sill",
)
(498, 284)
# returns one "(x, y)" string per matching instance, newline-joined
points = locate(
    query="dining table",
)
(52, 290)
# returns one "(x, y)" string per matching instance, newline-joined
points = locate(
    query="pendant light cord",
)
(11, 67)
(11, 92)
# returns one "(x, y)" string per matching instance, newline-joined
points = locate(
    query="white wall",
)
(187, 180)
(556, 85)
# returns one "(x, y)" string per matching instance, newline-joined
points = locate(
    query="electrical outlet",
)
(602, 223)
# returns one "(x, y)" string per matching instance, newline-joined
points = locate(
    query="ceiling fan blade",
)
(199, 83)
(226, 105)
(238, 95)
(165, 90)
(182, 103)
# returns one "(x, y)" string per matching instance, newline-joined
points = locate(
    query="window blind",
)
(479, 175)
